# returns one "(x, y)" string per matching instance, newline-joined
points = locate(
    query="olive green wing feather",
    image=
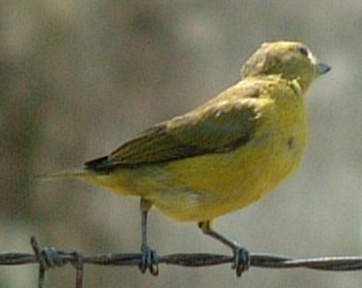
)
(217, 127)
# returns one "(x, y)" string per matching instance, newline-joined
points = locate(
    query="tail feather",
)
(66, 173)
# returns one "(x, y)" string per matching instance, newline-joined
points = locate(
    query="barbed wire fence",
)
(262, 260)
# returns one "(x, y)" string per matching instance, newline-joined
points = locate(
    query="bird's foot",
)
(241, 260)
(149, 261)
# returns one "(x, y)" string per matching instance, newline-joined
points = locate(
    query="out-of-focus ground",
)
(77, 78)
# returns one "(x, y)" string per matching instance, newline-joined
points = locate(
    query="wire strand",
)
(59, 258)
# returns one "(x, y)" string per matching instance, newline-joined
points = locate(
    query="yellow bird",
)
(221, 156)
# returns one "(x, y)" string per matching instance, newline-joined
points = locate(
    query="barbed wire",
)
(60, 258)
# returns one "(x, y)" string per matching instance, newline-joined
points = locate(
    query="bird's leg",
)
(241, 255)
(149, 257)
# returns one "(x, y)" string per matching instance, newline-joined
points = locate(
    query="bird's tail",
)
(66, 173)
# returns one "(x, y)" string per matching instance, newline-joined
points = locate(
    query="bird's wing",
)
(218, 126)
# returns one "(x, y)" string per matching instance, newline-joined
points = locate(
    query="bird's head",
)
(290, 60)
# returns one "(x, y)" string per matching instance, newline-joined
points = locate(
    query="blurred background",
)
(77, 78)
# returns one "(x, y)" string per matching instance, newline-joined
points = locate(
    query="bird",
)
(221, 156)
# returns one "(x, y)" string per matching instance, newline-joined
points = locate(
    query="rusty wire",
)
(261, 260)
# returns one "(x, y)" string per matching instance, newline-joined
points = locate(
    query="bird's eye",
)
(303, 50)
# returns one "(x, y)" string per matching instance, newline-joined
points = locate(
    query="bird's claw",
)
(149, 261)
(241, 260)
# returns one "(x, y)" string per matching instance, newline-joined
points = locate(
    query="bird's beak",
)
(322, 68)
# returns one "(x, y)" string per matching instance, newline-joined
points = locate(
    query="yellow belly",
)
(217, 184)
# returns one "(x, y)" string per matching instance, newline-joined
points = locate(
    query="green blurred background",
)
(79, 77)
